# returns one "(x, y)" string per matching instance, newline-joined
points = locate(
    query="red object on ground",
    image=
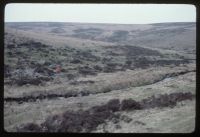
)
(58, 69)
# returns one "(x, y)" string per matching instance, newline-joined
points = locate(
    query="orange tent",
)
(58, 69)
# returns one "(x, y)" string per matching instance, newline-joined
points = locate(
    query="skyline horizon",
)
(95, 22)
(100, 13)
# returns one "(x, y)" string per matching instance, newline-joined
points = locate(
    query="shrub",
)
(109, 69)
(113, 105)
(84, 93)
(130, 104)
(126, 118)
(41, 69)
(106, 89)
(75, 61)
(80, 121)
(29, 127)
(70, 76)
(128, 62)
(98, 68)
(166, 100)
(11, 46)
(24, 81)
(87, 71)
(86, 121)
(7, 70)
(52, 123)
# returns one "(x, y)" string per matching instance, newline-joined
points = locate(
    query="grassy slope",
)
(38, 111)
(120, 84)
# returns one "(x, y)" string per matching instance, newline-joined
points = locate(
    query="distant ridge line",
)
(103, 23)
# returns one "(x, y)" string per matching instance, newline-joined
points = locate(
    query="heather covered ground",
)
(75, 77)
